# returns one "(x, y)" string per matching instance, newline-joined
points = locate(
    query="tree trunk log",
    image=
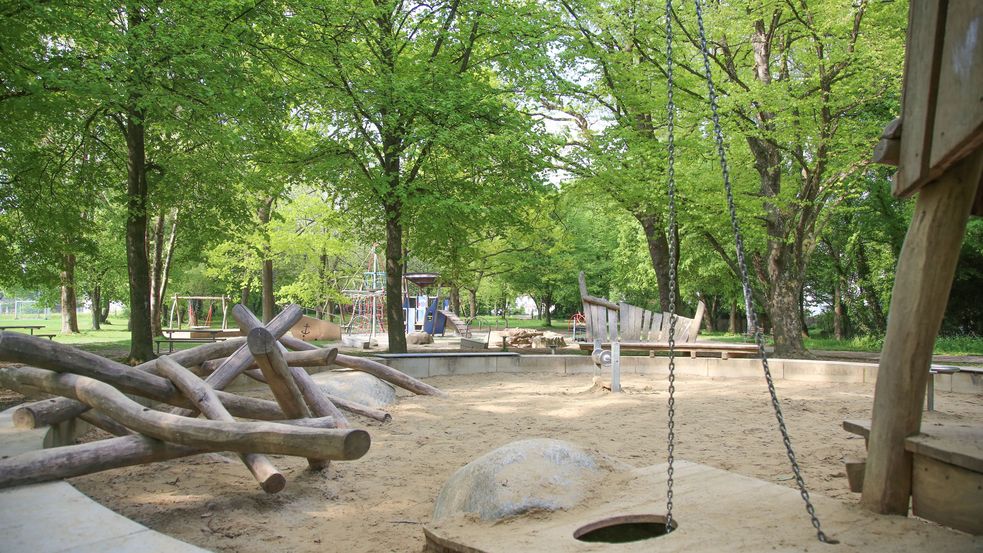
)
(374, 368)
(56, 463)
(266, 351)
(313, 396)
(96, 307)
(395, 320)
(244, 437)
(204, 398)
(241, 359)
(321, 357)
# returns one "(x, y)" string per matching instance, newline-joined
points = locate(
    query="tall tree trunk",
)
(96, 296)
(394, 277)
(104, 318)
(69, 300)
(547, 304)
(472, 302)
(456, 299)
(264, 213)
(161, 269)
(783, 312)
(877, 317)
(156, 268)
(658, 246)
(138, 268)
(837, 310)
(732, 321)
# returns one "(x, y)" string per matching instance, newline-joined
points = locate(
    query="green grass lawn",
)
(113, 340)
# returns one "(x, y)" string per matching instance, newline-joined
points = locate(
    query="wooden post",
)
(312, 394)
(241, 359)
(265, 349)
(921, 289)
(204, 398)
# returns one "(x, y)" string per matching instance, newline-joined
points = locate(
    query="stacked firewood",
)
(153, 409)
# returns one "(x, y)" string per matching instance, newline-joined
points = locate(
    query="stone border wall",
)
(782, 369)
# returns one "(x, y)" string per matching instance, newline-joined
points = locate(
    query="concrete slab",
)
(140, 542)
(823, 371)
(543, 363)
(711, 510)
(46, 518)
(742, 368)
(965, 382)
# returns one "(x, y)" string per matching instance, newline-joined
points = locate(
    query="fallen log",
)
(203, 396)
(97, 419)
(359, 409)
(245, 437)
(321, 357)
(374, 368)
(55, 410)
(45, 465)
(45, 412)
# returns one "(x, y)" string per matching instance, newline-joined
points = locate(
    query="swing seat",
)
(635, 328)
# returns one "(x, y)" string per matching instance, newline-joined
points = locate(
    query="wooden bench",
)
(635, 328)
(947, 472)
(48, 336)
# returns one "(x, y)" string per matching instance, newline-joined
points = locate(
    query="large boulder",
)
(358, 387)
(419, 338)
(534, 474)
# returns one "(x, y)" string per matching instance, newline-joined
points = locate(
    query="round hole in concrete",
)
(624, 529)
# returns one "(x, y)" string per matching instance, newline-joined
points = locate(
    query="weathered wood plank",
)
(958, 125)
(926, 24)
(947, 494)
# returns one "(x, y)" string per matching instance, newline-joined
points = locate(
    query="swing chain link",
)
(745, 280)
(671, 185)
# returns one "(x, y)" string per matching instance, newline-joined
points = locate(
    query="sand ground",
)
(380, 502)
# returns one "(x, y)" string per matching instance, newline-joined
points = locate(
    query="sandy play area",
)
(380, 502)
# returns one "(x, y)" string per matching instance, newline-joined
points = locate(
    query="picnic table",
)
(31, 328)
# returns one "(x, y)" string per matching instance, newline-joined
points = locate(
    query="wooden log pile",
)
(176, 406)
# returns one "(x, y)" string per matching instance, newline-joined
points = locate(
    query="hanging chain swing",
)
(742, 265)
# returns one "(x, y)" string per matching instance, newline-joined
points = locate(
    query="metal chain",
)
(746, 282)
(671, 186)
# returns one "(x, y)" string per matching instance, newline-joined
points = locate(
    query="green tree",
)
(397, 91)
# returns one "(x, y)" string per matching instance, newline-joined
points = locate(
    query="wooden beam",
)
(270, 479)
(921, 289)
